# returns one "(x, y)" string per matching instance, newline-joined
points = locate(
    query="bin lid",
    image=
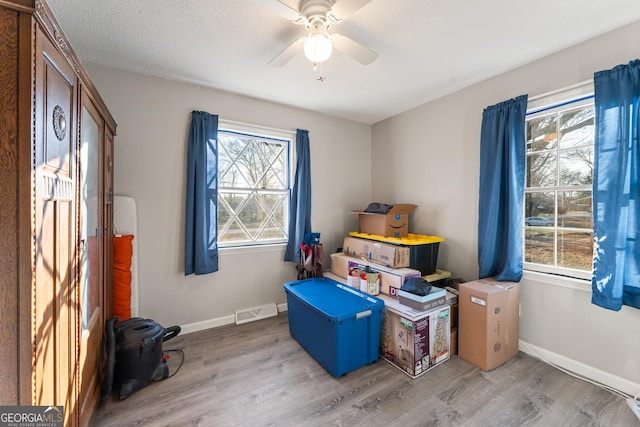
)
(333, 299)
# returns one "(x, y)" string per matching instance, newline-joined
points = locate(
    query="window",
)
(253, 185)
(558, 221)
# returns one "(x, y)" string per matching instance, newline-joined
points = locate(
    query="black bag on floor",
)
(134, 355)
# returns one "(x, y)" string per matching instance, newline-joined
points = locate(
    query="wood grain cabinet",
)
(56, 185)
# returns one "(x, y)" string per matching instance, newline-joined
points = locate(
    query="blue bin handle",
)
(362, 314)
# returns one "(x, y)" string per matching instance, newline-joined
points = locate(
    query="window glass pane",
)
(542, 134)
(229, 203)
(275, 202)
(575, 250)
(224, 164)
(270, 159)
(255, 163)
(542, 169)
(212, 168)
(576, 128)
(254, 216)
(574, 209)
(231, 170)
(90, 264)
(273, 230)
(234, 233)
(213, 224)
(275, 175)
(224, 215)
(278, 205)
(576, 166)
(539, 246)
(539, 204)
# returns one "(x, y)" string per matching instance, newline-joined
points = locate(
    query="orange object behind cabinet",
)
(122, 253)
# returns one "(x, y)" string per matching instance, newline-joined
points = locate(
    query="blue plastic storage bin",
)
(339, 326)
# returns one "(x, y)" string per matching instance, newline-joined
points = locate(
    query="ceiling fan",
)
(318, 16)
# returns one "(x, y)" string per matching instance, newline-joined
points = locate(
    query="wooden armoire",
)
(56, 218)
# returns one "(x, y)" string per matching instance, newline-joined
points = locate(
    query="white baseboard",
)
(219, 321)
(589, 372)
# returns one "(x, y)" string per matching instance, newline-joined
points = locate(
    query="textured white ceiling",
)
(426, 48)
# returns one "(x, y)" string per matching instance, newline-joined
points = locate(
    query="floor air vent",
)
(256, 313)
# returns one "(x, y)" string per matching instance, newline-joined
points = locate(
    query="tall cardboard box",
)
(488, 322)
(394, 223)
(414, 341)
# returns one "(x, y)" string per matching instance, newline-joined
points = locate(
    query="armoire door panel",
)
(92, 220)
(91, 340)
(59, 110)
(47, 287)
(56, 305)
(56, 291)
(67, 303)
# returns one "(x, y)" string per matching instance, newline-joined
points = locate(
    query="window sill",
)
(557, 280)
(279, 247)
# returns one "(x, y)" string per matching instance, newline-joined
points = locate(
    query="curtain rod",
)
(564, 89)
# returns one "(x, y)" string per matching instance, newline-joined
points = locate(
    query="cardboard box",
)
(380, 253)
(414, 341)
(338, 326)
(454, 340)
(437, 278)
(454, 313)
(391, 279)
(394, 223)
(436, 298)
(488, 322)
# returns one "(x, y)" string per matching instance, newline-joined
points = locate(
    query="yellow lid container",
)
(423, 249)
(411, 239)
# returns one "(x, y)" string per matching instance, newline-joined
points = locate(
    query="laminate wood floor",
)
(255, 374)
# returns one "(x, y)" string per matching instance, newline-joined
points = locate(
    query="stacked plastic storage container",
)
(337, 325)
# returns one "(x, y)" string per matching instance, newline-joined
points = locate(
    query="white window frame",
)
(568, 98)
(269, 133)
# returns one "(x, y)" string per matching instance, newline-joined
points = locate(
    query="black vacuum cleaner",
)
(134, 355)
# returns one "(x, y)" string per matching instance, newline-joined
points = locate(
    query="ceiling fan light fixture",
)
(318, 47)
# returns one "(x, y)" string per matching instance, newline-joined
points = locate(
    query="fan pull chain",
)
(320, 78)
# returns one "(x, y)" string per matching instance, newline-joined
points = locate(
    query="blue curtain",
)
(616, 193)
(502, 164)
(201, 222)
(300, 203)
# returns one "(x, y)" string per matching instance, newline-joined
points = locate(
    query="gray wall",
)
(430, 156)
(150, 156)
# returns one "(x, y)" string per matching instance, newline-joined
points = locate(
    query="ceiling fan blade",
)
(343, 9)
(284, 8)
(289, 52)
(355, 50)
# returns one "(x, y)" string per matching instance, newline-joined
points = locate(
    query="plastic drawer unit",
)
(337, 325)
